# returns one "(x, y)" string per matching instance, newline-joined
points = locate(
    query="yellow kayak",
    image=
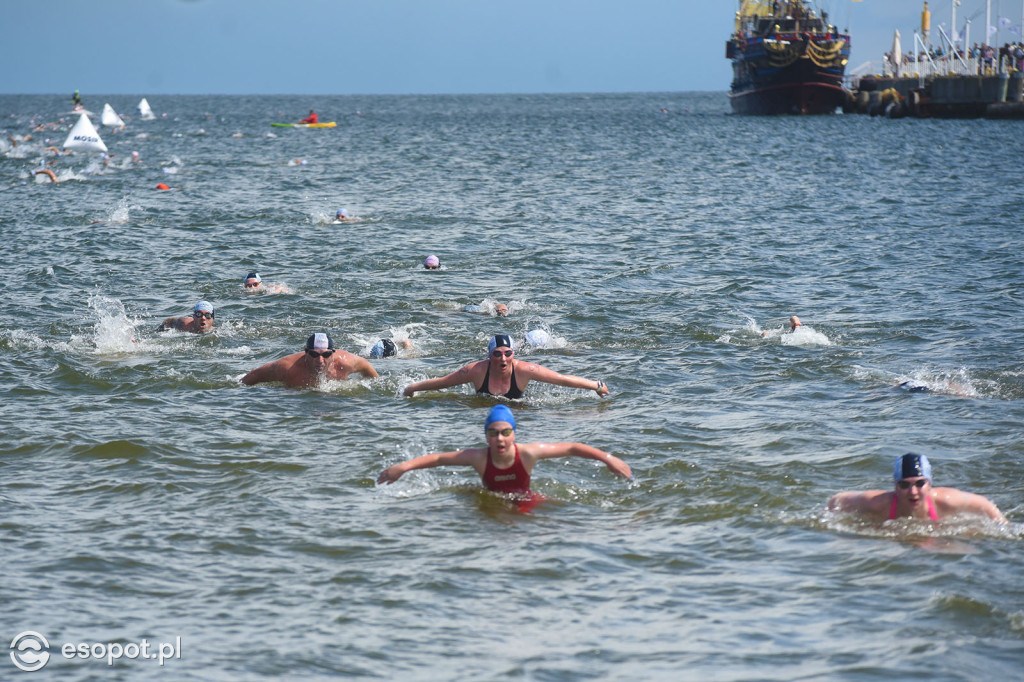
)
(329, 124)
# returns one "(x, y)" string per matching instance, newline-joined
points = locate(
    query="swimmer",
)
(432, 263)
(537, 338)
(386, 348)
(341, 216)
(794, 322)
(500, 309)
(253, 284)
(48, 173)
(199, 322)
(913, 496)
(161, 186)
(320, 360)
(504, 465)
(501, 374)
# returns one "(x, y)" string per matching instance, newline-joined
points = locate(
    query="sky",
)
(233, 47)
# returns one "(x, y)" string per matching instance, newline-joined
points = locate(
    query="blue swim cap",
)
(499, 341)
(500, 413)
(319, 341)
(204, 306)
(341, 212)
(385, 348)
(252, 275)
(912, 466)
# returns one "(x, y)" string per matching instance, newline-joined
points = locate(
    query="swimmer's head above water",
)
(500, 413)
(319, 341)
(203, 307)
(385, 348)
(912, 466)
(794, 322)
(432, 263)
(500, 341)
(252, 280)
(342, 214)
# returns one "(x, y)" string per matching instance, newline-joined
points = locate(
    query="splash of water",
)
(114, 331)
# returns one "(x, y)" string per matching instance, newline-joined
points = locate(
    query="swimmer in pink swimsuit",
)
(914, 497)
(504, 466)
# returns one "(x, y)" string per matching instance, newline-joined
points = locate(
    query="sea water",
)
(147, 495)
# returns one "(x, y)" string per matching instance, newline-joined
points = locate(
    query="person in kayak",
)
(312, 118)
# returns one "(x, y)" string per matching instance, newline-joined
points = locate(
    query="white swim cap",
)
(538, 337)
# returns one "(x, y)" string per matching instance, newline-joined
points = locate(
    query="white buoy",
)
(110, 118)
(145, 111)
(84, 138)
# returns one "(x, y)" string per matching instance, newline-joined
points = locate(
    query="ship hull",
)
(800, 97)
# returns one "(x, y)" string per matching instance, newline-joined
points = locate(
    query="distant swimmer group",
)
(318, 361)
(913, 497)
(502, 374)
(199, 322)
(505, 466)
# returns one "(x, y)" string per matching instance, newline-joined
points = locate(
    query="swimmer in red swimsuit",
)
(504, 466)
(502, 374)
(914, 497)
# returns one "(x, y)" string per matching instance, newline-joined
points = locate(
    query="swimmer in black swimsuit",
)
(513, 392)
(510, 376)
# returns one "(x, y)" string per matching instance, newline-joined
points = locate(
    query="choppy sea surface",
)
(145, 494)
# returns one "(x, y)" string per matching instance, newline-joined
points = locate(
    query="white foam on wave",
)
(956, 382)
(804, 336)
(399, 335)
(120, 213)
(947, 536)
(114, 332)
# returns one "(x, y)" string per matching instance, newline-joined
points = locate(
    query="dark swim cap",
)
(500, 341)
(912, 466)
(385, 348)
(319, 341)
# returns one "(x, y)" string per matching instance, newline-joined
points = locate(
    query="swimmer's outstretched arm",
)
(268, 372)
(468, 457)
(537, 451)
(974, 504)
(363, 366)
(537, 373)
(169, 323)
(456, 378)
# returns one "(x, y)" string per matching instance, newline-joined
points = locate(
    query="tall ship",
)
(786, 59)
